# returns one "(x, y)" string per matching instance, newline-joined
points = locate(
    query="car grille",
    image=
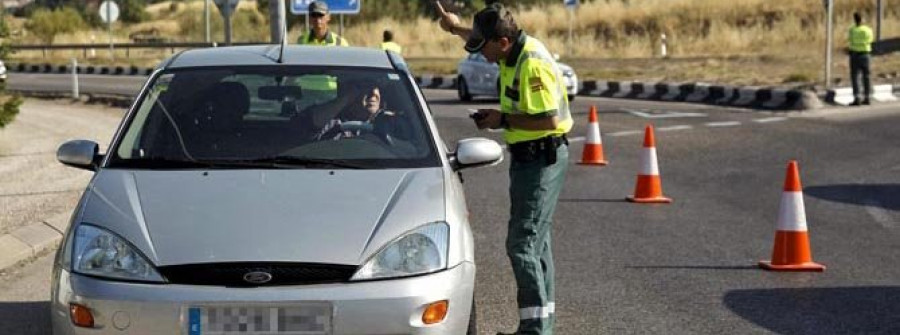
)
(233, 274)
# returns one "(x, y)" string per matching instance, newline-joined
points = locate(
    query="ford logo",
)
(257, 277)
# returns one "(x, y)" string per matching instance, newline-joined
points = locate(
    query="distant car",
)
(476, 76)
(2, 71)
(221, 207)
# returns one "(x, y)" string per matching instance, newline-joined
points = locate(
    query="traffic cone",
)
(593, 146)
(791, 252)
(649, 185)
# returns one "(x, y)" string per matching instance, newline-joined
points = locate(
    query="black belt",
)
(527, 151)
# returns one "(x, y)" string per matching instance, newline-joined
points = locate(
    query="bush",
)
(246, 25)
(9, 105)
(46, 24)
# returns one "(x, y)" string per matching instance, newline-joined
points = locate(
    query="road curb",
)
(844, 95)
(83, 69)
(767, 98)
(26, 242)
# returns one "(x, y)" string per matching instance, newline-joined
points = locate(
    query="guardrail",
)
(84, 47)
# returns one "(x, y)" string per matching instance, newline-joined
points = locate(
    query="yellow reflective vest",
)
(531, 83)
(391, 46)
(331, 39)
(320, 82)
(861, 38)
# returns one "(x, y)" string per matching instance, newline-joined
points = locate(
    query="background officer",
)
(861, 38)
(319, 88)
(534, 114)
(389, 44)
(319, 33)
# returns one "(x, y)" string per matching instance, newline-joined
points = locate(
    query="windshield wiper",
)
(168, 163)
(294, 161)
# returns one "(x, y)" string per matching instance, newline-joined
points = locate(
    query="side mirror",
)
(475, 152)
(81, 154)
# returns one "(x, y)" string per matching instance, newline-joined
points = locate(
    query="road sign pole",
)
(206, 18)
(880, 16)
(829, 20)
(109, 21)
(227, 24)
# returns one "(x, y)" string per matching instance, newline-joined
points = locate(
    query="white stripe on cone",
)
(593, 136)
(792, 213)
(649, 166)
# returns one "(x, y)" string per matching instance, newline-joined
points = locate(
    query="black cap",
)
(318, 7)
(485, 26)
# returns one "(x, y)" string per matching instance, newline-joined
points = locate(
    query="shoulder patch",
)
(535, 84)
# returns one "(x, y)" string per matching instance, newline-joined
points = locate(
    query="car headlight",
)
(422, 250)
(99, 252)
(569, 73)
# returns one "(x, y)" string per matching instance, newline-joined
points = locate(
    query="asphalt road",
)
(684, 268)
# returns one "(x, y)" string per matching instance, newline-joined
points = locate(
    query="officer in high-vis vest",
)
(534, 114)
(319, 34)
(388, 43)
(319, 88)
(860, 39)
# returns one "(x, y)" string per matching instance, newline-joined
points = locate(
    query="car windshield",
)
(276, 117)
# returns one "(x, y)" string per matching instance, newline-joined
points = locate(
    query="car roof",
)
(293, 55)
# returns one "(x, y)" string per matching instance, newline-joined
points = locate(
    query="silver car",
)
(476, 76)
(254, 191)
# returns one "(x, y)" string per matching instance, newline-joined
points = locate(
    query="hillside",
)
(726, 36)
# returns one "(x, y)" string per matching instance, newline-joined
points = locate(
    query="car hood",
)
(318, 216)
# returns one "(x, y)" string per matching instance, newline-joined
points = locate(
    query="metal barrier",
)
(119, 46)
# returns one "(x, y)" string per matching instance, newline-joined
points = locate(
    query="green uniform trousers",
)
(534, 188)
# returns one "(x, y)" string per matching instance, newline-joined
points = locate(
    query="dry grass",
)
(761, 42)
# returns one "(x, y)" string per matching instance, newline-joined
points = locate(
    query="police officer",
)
(319, 34)
(388, 42)
(534, 114)
(860, 48)
(319, 88)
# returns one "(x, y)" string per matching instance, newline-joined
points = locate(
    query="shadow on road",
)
(837, 310)
(697, 267)
(593, 200)
(879, 195)
(25, 318)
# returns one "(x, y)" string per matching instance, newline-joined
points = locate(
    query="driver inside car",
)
(366, 115)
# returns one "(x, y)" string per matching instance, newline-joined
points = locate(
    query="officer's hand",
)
(448, 20)
(488, 118)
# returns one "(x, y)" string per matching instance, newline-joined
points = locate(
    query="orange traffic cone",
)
(649, 185)
(593, 145)
(791, 252)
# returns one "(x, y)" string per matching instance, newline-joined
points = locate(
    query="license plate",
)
(296, 319)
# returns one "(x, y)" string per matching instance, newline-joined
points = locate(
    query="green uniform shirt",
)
(861, 38)
(531, 83)
(331, 39)
(321, 83)
(391, 46)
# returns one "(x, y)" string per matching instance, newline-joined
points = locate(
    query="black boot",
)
(866, 102)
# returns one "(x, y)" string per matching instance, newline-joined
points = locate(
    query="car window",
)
(282, 116)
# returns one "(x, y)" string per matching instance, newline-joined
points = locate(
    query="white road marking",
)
(673, 128)
(661, 114)
(723, 124)
(881, 215)
(770, 119)
(577, 139)
(625, 133)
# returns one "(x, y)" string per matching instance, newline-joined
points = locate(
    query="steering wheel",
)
(369, 131)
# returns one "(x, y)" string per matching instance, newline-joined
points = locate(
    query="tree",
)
(9, 104)
(46, 24)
